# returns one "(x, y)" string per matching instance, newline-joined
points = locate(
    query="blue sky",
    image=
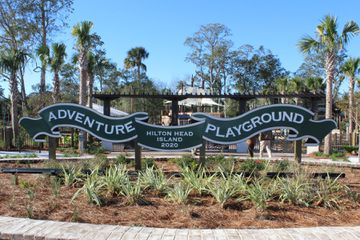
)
(162, 27)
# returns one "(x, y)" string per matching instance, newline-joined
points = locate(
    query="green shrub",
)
(71, 175)
(219, 161)
(225, 187)
(153, 179)
(179, 193)
(258, 193)
(196, 179)
(91, 189)
(351, 149)
(132, 192)
(337, 156)
(296, 190)
(55, 186)
(121, 159)
(252, 166)
(114, 178)
(282, 165)
(95, 149)
(328, 192)
(186, 161)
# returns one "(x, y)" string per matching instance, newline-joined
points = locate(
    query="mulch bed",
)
(200, 212)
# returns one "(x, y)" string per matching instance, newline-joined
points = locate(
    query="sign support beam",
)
(174, 112)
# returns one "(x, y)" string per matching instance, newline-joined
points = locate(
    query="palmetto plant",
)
(114, 178)
(91, 189)
(153, 179)
(179, 193)
(328, 192)
(225, 187)
(132, 191)
(329, 42)
(296, 190)
(196, 179)
(71, 175)
(259, 192)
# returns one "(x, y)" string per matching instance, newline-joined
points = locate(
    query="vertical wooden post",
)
(137, 156)
(298, 150)
(242, 106)
(202, 157)
(174, 112)
(106, 107)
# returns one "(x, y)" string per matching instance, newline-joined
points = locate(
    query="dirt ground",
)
(200, 212)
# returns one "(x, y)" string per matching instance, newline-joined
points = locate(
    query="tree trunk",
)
(56, 88)
(43, 43)
(351, 108)
(90, 81)
(25, 106)
(83, 65)
(14, 110)
(330, 69)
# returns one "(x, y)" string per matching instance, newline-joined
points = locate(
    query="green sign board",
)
(173, 138)
(170, 138)
(276, 116)
(73, 115)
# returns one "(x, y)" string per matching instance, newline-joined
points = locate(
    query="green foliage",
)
(121, 159)
(328, 192)
(27, 155)
(71, 175)
(282, 165)
(24, 184)
(69, 152)
(296, 190)
(55, 186)
(259, 193)
(186, 161)
(30, 202)
(148, 163)
(179, 193)
(225, 187)
(153, 179)
(114, 178)
(351, 149)
(252, 166)
(91, 189)
(196, 179)
(219, 161)
(338, 156)
(132, 192)
(95, 149)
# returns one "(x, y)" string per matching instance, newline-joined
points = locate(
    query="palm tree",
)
(315, 84)
(134, 59)
(329, 42)
(43, 53)
(297, 85)
(56, 62)
(90, 80)
(81, 32)
(83, 44)
(11, 61)
(282, 86)
(350, 69)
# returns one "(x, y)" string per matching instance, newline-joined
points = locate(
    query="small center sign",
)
(170, 138)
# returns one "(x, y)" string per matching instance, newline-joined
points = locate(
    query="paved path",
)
(23, 228)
